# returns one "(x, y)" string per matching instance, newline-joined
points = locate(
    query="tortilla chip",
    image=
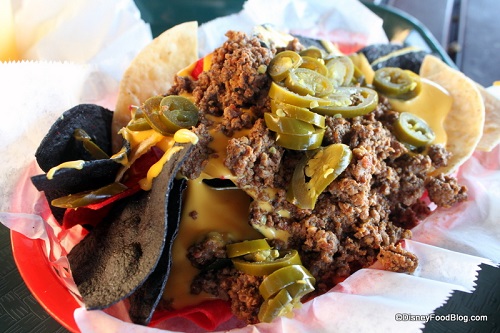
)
(59, 144)
(152, 71)
(491, 130)
(123, 251)
(464, 123)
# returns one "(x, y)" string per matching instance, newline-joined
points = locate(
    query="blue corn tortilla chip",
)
(394, 55)
(123, 251)
(94, 174)
(59, 144)
(145, 299)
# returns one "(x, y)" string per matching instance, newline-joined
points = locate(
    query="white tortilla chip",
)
(152, 71)
(465, 121)
(491, 130)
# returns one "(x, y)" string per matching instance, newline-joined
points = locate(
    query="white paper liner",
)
(346, 22)
(451, 243)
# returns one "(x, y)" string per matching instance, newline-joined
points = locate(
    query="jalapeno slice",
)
(340, 70)
(283, 278)
(151, 109)
(305, 81)
(300, 288)
(413, 130)
(395, 82)
(321, 169)
(140, 124)
(275, 307)
(315, 64)
(312, 52)
(89, 197)
(283, 109)
(179, 119)
(287, 125)
(282, 63)
(261, 268)
(246, 247)
(361, 101)
(282, 291)
(282, 94)
(167, 115)
(301, 142)
(178, 112)
(89, 145)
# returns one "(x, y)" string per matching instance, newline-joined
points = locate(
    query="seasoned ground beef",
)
(445, 191)
(237, 80)
(255, 159)
(395, 258)
(229, 284)
(206, 252)
(193, 166)
(361, 216)
(438, 155)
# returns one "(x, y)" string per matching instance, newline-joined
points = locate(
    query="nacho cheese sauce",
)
(78, 164)
(205, 210)
(155, 169)
(432, 104)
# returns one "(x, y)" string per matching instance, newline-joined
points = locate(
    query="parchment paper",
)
(450, 244)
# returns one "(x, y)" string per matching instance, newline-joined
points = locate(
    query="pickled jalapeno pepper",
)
(282, 63)
(395, 82)
(275, 307)
(305, 81)
(168, 114)
(89, 197)
(261, 268)
(301, 142)
(282, 94)
(296, 112)
(282, 278)
(140, 124)
(340, 70)
(282, 291)
(246, 247)
(315, 64)
(178, 112)
(312, 52)
(321, 169)
(94, 150)
(287, 125)
(350, 102)
(413, 130)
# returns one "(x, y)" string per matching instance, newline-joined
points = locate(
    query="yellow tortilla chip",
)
(152, 71)
(491, 130)
(464, 123)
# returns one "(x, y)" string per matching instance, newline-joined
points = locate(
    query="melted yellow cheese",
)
(205, 210)
(78, 164)
(140, 143)
(156, 168)
(188, 70)
(215, 167)
(432, 104)
(207, 62)
(185, 136)
(273, 233)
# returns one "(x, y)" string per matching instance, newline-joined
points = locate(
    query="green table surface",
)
(20, 312)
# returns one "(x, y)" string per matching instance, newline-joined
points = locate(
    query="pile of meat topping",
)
(358, 219)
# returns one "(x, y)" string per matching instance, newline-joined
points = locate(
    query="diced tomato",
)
(198, 68)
